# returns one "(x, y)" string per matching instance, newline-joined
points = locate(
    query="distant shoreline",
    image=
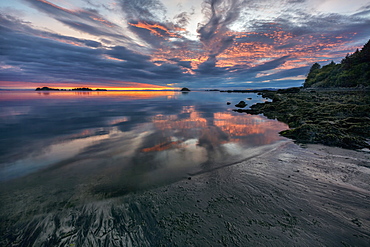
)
(73, 89)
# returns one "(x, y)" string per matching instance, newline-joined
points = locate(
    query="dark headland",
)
(332, 107)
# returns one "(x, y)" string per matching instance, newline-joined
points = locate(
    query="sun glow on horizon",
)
(130, 86)
(123, 94)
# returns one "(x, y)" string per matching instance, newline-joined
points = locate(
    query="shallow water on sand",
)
(139, 137)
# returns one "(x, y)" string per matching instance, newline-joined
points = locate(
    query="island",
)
(185, 89)
(81, 89)
(46, 89)
(74, 89)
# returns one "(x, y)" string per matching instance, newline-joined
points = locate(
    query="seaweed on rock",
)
(333, 118)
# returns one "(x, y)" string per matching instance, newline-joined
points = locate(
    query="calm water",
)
(127, 140)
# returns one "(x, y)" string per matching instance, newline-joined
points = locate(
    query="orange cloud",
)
(105, 22)
(154, 29)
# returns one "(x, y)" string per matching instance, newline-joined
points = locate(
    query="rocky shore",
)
(331, 117)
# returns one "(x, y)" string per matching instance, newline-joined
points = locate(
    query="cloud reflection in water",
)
(117, 143)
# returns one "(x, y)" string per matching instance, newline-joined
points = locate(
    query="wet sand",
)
(288, 196)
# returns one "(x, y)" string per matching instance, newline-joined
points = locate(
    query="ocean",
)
(159, 135)
(68, 159)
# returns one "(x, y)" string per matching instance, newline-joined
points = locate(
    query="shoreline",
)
(330, 117)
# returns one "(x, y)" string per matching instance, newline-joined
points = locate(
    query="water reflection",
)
(251, 130)
(123, 95)
(119, 142)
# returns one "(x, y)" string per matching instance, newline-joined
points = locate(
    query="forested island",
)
(46, 89)
(332, 107)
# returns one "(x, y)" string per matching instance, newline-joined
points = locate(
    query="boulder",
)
(241, 104)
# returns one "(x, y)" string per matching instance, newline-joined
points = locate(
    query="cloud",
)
(237, 42)
(215, 32)
(125, 54)
(269, 65)
(55, 59)
(296, 1)
(147, 10)
(182, 19)
(84, 20)
(208, 68)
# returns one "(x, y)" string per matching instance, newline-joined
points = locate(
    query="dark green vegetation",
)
(334, 118)
(185, 89)
(353, 71)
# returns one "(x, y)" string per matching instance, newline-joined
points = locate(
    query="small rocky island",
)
(185, 89)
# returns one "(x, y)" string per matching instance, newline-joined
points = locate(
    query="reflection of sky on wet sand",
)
(49, 155)
(127, 142)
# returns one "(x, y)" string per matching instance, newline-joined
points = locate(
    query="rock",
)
(228, 103)
(241, 104)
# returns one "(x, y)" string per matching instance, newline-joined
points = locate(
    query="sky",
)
(166, 44)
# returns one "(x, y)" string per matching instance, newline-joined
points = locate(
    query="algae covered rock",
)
(334, 118)
(241, 104)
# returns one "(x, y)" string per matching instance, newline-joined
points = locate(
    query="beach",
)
(288, 196)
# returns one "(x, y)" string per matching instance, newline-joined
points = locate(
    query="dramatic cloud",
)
(149, 10)
(209, 44)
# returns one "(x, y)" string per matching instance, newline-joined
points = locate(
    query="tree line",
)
(352, 71)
